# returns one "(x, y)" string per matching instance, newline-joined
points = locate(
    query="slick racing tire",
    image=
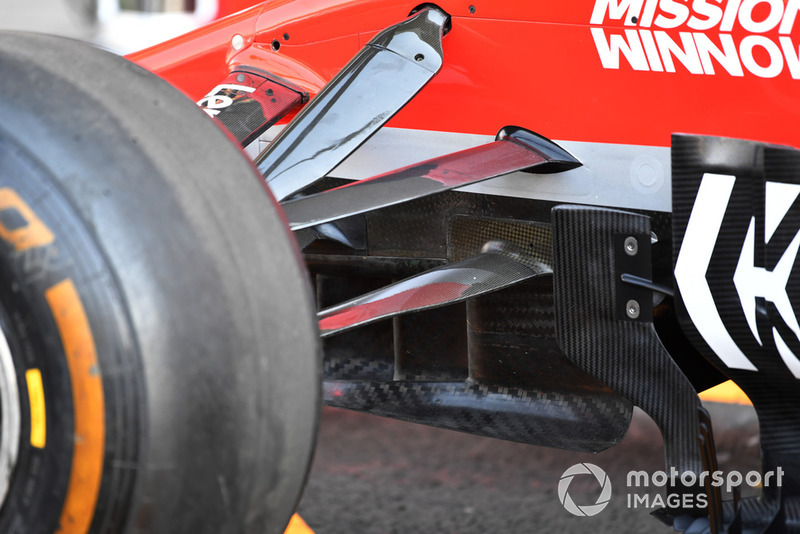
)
(159, 357)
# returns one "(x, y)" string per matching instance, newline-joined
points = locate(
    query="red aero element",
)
(419, 297)
(610, 71)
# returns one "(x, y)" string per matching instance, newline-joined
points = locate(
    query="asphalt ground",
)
(375, 475)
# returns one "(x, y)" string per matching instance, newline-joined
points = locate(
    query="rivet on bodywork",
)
(237, 42)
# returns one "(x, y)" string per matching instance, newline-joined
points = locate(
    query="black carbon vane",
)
(366, 93)
(514, 149)
(499, 265)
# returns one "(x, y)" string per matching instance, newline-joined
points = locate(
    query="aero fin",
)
(499, 265)
(514, 149)
(387, 73)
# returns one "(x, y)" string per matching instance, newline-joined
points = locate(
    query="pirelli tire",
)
(159, 361)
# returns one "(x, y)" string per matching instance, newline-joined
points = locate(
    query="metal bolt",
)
(237, 42)
(631, 246)
(632, 309)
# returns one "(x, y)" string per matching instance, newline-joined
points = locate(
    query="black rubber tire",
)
(168, 262)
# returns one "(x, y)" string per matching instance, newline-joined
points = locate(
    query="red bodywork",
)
(538, 64)
(229, 7)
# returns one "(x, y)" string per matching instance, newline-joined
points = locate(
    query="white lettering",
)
(617, 45)
(679, 12)
(651, 50)
(616, 10)
(731, 10)
(746, 48)
(792, 56)
(711, 12)
(753, 479)
(789, 16)
(700, 52)
(772, 20)
(638, 479)
(649, 12)
(728, 57)
(734, 481)
(686, 54)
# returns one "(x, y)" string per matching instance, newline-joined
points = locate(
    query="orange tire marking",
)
(297, 526)
(87, 397)
(34, 234)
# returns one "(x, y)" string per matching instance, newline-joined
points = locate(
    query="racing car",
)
(513, 219)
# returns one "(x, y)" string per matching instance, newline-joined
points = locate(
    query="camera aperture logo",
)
(590, 509)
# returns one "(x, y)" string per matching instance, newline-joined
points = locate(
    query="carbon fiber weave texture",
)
(624, 354)
(595, 422)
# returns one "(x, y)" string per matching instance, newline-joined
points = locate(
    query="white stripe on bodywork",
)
(779, 197)
(694, 258)
(752, 281)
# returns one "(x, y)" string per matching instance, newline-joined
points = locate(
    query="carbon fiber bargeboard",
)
(249, 101)
(564, 420)
(623, 353)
